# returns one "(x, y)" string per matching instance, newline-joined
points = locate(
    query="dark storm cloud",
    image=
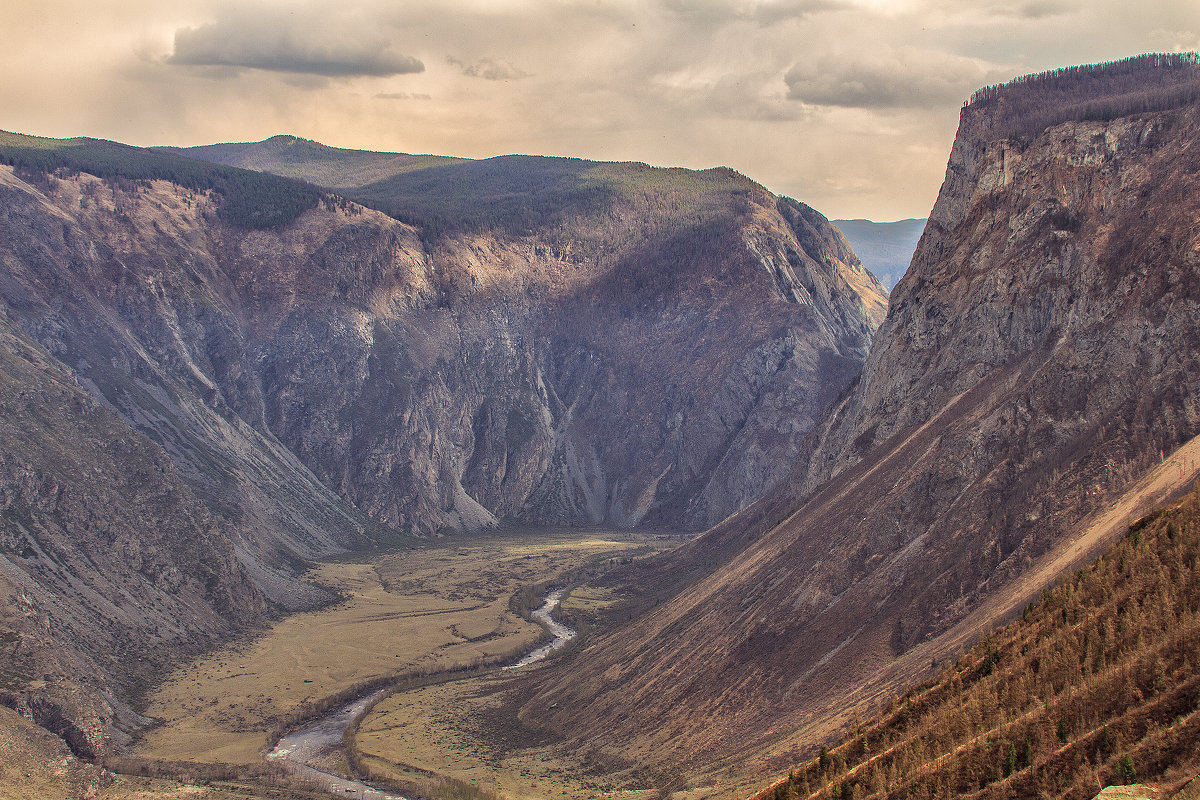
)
(289, 45)
(906, 78)
(489, 69)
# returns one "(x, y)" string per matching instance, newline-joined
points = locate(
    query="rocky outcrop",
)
(1039, 356)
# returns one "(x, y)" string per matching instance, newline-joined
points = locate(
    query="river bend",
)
(316, 741)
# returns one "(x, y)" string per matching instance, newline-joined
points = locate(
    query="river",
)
(562, 634)
(306, 747)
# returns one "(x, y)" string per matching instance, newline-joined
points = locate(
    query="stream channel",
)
(314, 742)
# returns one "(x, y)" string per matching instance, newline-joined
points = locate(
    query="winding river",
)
(306, 747)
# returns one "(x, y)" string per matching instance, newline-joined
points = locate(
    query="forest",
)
(1024, 107)
(246, 199)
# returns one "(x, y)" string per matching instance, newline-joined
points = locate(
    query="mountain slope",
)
(306, 160)
(1038, 358)
(556, 341)
(1094, 685)
(110, 568)
(116, 278)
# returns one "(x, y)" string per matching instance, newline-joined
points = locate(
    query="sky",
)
(848, 105)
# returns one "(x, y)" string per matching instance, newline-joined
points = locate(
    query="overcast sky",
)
(848, 105)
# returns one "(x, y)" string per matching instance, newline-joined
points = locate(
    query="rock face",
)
(1039, 356)
(641, 366)
(120, 283)
(110, 567)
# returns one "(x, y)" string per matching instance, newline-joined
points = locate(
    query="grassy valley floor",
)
(442, 606)
(468, 732)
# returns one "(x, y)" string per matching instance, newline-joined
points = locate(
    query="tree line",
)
(246, 199)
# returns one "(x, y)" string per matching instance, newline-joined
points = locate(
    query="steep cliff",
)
(118, 280)
(558, 342)
(1039, 357)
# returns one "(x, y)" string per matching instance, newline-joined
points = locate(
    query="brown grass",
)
(439, 607)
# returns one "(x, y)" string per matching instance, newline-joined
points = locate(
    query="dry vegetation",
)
(436, 608)
(1095, 685)
(466, 736)
(37, 765)
(468, 732)
(1025, 107)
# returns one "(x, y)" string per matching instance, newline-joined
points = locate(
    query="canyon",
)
(384, 349)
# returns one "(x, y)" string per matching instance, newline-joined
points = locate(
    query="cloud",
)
(1040, 9)
(402, 96)
(764, 12)
(747, 97)
(489, 69)
(1034, 9)
(291, 45)
(903, 78)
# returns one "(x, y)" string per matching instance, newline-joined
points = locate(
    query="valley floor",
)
(440, 607)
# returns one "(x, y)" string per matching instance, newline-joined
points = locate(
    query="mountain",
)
(1038, 359)
(312, 162)
(886, 248)
(719, 320)
(1094, 685)
(215, 376)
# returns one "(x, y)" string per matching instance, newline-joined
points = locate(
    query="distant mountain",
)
(306, 160)
(885, 248)
(618, 254)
